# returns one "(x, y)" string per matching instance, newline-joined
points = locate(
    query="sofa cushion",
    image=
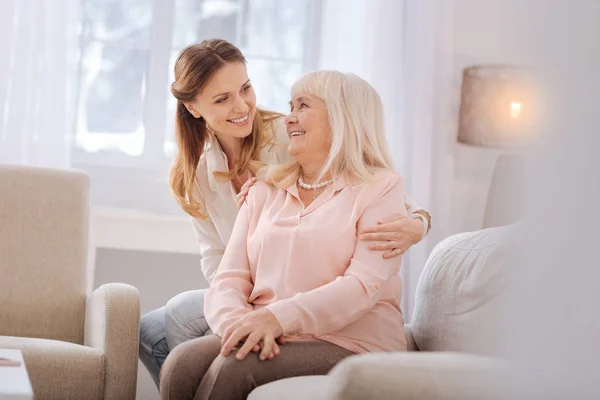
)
(313, 387)
(60, 370)
(459, 297)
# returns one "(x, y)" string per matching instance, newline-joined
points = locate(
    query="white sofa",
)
(454, 340)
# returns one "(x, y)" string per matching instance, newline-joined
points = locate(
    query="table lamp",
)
(496, 112)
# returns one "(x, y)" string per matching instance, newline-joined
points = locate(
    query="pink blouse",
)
(307, 266)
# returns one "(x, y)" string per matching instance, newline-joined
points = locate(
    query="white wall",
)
(507, 31)
(158, 276)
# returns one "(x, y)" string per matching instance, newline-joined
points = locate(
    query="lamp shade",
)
(495, 106)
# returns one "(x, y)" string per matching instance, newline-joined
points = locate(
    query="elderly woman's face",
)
(308, 128)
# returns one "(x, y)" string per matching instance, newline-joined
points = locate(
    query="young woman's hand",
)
(396, 235)
(241, 196)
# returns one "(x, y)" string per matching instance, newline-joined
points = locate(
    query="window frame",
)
(148, 170)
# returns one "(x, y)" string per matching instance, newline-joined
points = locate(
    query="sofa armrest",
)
(416, 375)
(112, 323)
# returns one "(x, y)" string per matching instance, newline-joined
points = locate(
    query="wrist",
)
(424, 224)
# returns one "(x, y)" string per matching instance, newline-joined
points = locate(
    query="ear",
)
(192, 110)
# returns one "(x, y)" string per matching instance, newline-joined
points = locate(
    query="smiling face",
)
(227, 102)
(309, 130)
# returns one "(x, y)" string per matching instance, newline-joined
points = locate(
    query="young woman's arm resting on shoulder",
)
(397, 233)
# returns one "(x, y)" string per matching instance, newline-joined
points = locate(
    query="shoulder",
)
(382, 181)
(261, 190)
(260, 193)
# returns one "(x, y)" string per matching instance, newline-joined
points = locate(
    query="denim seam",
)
(153, 352)
(157, 339)
(191, 328)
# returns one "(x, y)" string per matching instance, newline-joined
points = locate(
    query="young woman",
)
(223, 139)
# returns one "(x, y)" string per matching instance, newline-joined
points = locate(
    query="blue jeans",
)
(182, 319)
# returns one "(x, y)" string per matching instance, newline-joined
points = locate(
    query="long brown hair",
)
(194, 68)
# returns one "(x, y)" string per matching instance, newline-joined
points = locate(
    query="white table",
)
(14, 381)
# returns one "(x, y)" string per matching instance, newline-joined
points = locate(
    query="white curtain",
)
(404, 49)
(37, 81)
(428, 130)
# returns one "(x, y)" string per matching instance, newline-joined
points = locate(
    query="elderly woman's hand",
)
(279, 341)
(396, 235)
(260, 327)
(241, 196)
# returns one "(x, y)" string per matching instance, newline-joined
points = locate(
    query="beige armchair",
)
(75, 346)
(454, 340)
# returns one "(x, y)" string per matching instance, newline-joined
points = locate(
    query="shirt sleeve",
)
(211, 246)
(337, 304)
(412, 208)
(227, 299)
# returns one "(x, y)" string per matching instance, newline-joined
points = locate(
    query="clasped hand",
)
(258, 330)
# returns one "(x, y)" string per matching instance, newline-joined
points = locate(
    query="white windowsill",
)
(115, 228)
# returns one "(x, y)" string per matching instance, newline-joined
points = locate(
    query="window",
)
(124, 125)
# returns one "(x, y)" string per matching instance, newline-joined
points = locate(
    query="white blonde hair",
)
(355, 111)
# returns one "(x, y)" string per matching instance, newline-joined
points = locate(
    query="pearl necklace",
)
(314, 186)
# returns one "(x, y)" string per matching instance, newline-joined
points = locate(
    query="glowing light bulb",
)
(515, 109)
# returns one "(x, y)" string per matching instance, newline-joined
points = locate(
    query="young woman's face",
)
(308, 128)
(228, 102)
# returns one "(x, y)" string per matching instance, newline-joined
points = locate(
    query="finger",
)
(381, 236)
(241, 196)
(241, 201)
(267, 346)
(384, 246)
(387, 227)
(281, 340)
(393, 253)
(248, 184)
(392, 218)
(251, 341)
(229, 331)
(234, 339)
(227, 334)
(275, 352)
(244, 189)
(256, 348)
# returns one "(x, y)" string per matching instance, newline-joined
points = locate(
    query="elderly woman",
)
(294, 270)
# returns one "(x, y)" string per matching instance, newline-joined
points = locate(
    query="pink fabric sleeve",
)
(337, 304)
(227, 299)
